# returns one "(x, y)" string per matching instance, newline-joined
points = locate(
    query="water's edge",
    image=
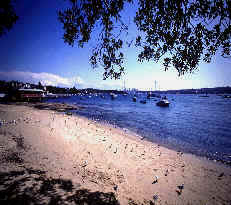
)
(191, 124)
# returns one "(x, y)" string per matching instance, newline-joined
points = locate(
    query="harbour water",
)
(193, 124)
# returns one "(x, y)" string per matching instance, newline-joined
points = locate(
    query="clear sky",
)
(34, 51)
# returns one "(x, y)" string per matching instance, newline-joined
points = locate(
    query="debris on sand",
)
(84, 164)
(68, 113)
(115, 150)
(155, 180)
(180, 189)
(180, 153)
(115, 187)
(155, 197)
(166, 173)
(220, 176)
(126, 146)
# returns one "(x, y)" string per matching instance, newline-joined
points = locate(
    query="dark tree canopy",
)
(179, 33)
(7, 16)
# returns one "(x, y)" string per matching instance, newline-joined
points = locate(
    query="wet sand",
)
(49, 157)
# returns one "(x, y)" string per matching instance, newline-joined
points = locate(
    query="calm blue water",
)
(193, 124)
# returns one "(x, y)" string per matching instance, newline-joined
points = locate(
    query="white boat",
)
(163, 103)
(2, 95)
(226, 96)
(50, 95)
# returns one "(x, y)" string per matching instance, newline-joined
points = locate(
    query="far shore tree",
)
(40, 86)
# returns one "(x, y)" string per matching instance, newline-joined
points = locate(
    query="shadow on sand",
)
(33, 187)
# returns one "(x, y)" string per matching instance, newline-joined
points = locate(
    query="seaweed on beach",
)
(54, 106)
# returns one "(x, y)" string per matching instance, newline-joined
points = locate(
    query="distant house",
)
(27, 95)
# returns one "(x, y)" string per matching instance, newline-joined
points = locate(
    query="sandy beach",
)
(48, 156)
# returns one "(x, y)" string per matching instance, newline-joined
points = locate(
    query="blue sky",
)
(35, 51)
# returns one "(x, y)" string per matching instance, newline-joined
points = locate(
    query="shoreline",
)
(208, 155)
(104, 159)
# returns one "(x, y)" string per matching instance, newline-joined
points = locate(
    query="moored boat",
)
(226, 96)
(143, 101)
(113, 96)
(163, 103)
